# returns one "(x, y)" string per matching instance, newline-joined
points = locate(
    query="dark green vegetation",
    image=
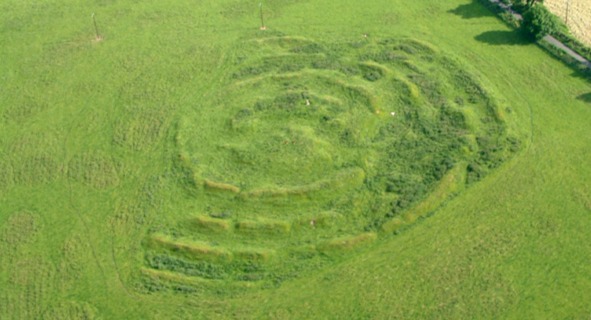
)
(539, 22)
(298, 131)
(371, 159)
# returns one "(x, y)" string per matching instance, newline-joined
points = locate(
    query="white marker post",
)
(262, 19)
(96, 31)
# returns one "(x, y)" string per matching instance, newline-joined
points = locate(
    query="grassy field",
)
(579, 16)
(376, 159)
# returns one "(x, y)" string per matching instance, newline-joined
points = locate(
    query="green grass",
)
(450, 184)
(189, 165)
(205, 223)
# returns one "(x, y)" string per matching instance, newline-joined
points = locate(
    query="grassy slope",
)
(515, 245)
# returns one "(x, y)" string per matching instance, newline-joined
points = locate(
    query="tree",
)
(525, 4)
(531, 3)
(539, 22)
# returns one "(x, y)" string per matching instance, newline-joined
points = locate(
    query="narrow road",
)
(569, 51)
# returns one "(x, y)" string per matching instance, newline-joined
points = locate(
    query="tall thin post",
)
(262, 18)
(567, 7)
(96, 31)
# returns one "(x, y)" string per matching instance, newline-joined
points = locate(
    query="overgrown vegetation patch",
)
(375, 134)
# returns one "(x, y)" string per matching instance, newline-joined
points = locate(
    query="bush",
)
(539, 22)
(510, 19)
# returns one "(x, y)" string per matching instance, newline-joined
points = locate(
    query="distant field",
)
(579, 16)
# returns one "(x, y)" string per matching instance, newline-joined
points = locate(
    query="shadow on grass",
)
(503, 38)
(586, 97)
(471, 11)
(581, 72)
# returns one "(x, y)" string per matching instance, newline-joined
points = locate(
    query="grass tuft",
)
(208, 224)
(348, 243)
(188, 249)
(220, 186)
(263, 227)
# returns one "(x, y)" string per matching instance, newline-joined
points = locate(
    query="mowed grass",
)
(89, 170)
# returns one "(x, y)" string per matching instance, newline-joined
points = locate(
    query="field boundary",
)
(554, 46)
